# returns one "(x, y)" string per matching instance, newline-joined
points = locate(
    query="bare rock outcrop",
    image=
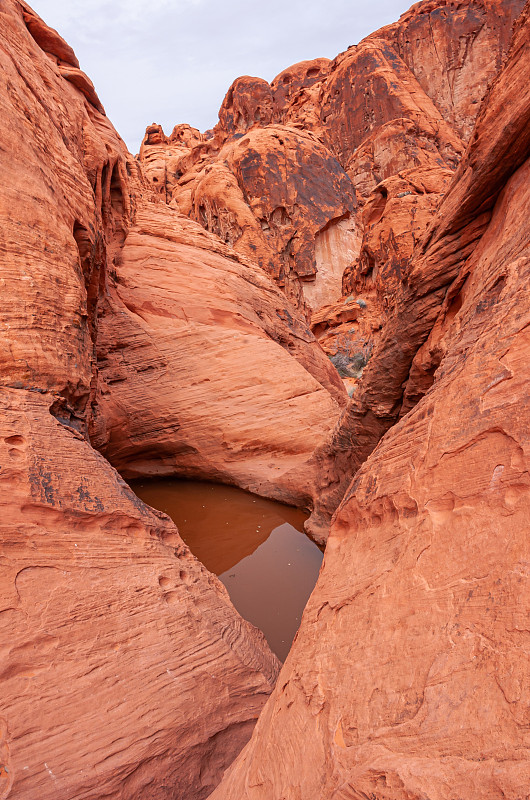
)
(134, 338)
(274, 194)
(405, 97)
(126, 672)
(455, 50)
(294, 188)
(394, 219)
(409, 677)
(391, 383)
(291, 86)
(204, 371)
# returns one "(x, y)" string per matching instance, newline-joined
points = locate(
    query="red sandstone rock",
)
(160, 160)
(498, 146)
(275, 195)
(186, 135)
(294, 189)
(248, 103)
(395, 217)
(84, 84)
(203, 370)
(126, 672)
(370, 87)
(426, 563)
(154, 134)
(454, 51)
(347, 331)
(409, 677)
(291, 85)
(405, 97)
(48, 39)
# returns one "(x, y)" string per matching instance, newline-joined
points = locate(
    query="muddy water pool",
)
(256, 546)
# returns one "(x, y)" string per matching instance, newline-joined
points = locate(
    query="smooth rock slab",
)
(125, 669)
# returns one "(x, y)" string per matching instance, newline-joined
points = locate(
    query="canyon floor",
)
(323, 300)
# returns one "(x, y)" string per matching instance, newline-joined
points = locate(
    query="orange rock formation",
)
(369, 191)
(409, 677)
(126, 671)
(203, 370)
(405, 97)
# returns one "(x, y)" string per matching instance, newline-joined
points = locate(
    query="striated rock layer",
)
(126, 671)
(405, 98)
(397, 375)
(409, 677)
(132, 334)
(203, 369)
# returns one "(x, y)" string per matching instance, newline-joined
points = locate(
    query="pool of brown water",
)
(256, 546)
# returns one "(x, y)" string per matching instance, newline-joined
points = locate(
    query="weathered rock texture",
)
(126, 672)
(405, 97)
(203, 370)
(270, 194)
(410, 675)
(394, 219)
(391, 383)
(127, 327)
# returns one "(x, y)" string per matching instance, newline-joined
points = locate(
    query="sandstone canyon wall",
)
(147, 327)
(203, 369)
(405, 98)
(410, 674)
(126, 671)
(383, 126)
(329, 178)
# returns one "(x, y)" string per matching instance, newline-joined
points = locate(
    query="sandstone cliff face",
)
(405, 97)
(455, 50)
(271, 195)
(395, 217)
(495, 150)
(203, 369)
(128, 327)
(409, 676)
(126, 671)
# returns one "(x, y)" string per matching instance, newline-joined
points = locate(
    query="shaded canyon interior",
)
(325, 301)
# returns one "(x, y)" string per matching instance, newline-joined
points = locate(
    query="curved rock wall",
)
(127, 327)
(126, 672)
(204, 371)
(498, 147)
(409, 675)
(405, 97)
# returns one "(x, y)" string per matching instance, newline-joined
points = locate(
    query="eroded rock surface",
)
(409, 677)
(391, 383)
(128, 327)
(203, 369)
(405, 98)
(394, 220)
(126, 671)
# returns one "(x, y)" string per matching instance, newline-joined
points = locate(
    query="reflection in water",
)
(256, 546)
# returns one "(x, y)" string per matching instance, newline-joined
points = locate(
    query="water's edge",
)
(256, 546)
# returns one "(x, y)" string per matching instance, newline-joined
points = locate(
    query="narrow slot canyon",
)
(322, 302)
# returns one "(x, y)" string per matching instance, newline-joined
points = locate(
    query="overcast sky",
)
(172, 61)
